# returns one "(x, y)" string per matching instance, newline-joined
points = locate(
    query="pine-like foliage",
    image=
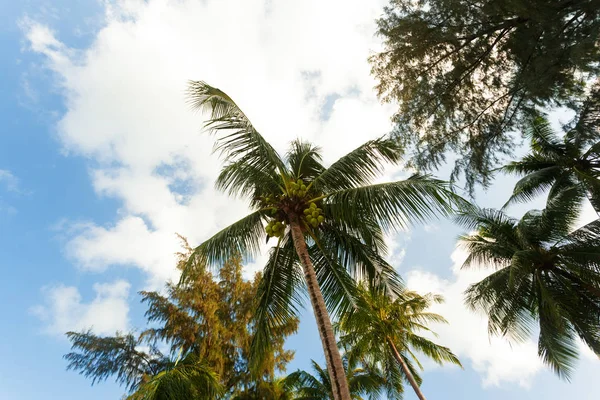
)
(545, 276)
(464, 72)
(383, 328)
(559, 163)
(206, 322)
(100, 358)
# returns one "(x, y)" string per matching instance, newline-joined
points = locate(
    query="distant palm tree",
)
(385, 330)
(276, 389)
(557, 163)
(328, 221)
(543, 273)
(189, 379)
(361, 381)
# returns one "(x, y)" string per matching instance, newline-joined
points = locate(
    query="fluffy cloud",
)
(466, 334)
(295, 70)
(9, 181)
(64, 309)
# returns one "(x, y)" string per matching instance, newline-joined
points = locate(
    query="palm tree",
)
(361, 381)
(275, 389)
(327, 221)
(189, 379)
(543, 274)
(557, 163)
(384, 330)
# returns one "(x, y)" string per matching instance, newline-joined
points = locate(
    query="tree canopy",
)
(557, 163)
(206, 322)
(465, 72)
(385, 331)
(544, 273)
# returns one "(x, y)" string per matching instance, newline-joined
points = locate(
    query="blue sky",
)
(101, 162)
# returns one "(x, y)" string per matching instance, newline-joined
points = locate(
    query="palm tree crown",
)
(544, 273)
(189, 379)
(385, 330)
(317, 386)
(559, 163)
(328, 223)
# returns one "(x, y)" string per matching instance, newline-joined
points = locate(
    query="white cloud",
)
(395, 243)
(125, 95)
(466, 334)
(9, 181)
(129, 242)
(64, 309)
(429, 228)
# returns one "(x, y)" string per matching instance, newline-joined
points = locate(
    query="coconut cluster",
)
(275, 228)
(298, 188)
(314, 215)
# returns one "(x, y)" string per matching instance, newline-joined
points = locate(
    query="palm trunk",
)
(332, 354)
(407, 372)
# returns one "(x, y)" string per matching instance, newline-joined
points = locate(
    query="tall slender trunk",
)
(332, 354)
(409, 375)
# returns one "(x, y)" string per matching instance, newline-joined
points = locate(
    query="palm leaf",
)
(304, 160)
(533, 185)
(337, 286)
(544, 140)
(395, 205)
(241, 237)
(556, 343)
(360, 166)
(239, 139)
(242, 179)
(277, 298)
(192, 378)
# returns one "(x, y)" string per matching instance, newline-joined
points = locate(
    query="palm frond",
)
(242, 179)
(533, 185)
(337, 286)
(591, 183)
(528, 164)
(362, 261)
(437, 353)
(278, 297)
(304, 160)
(241, 237)
(191, 378)
(505, 303)
(556, 343)
(239, 139)
(544, 140)
(360, 166)
(488, 218)
(395, 205)
(562, 211)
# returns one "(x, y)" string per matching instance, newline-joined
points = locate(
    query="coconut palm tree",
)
(189, 379)
(384, 329)
(544, 274)
(275, 389)
(557, 163)
(361, 382)
(326, 222)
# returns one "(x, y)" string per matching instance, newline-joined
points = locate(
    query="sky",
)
(102, 162)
